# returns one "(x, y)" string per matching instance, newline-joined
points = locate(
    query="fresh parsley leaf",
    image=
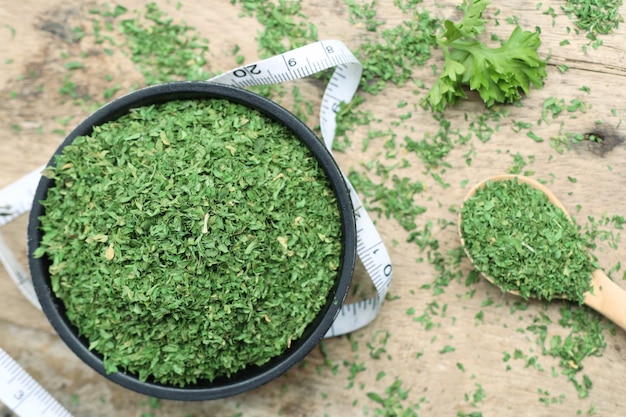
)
(499, 75)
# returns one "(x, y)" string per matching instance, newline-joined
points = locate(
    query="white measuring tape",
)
(17, 198)
(23, 394)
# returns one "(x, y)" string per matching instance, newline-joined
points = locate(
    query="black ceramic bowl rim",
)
(251, 377)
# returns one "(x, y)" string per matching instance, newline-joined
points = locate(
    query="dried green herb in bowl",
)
(524, 243)
(192, 241)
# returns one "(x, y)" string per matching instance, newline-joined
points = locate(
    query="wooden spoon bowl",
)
(605, 296)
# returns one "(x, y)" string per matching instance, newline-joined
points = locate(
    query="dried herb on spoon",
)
(526, 244)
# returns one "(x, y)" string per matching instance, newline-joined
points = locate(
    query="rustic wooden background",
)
(458, 365)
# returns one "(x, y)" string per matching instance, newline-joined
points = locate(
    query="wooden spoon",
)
(606, 297)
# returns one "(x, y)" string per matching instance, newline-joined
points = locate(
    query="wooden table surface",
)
(441, 346)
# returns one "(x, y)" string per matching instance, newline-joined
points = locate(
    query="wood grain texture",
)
(444, 369)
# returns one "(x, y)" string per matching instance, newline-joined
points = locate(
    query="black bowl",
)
(253, 376)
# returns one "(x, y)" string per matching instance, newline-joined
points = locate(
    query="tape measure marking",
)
(22, 394)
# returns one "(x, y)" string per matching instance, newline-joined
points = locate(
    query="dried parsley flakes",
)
(516, 236)
(190, 239)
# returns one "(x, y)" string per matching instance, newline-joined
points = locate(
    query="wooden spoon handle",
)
(607, 298)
